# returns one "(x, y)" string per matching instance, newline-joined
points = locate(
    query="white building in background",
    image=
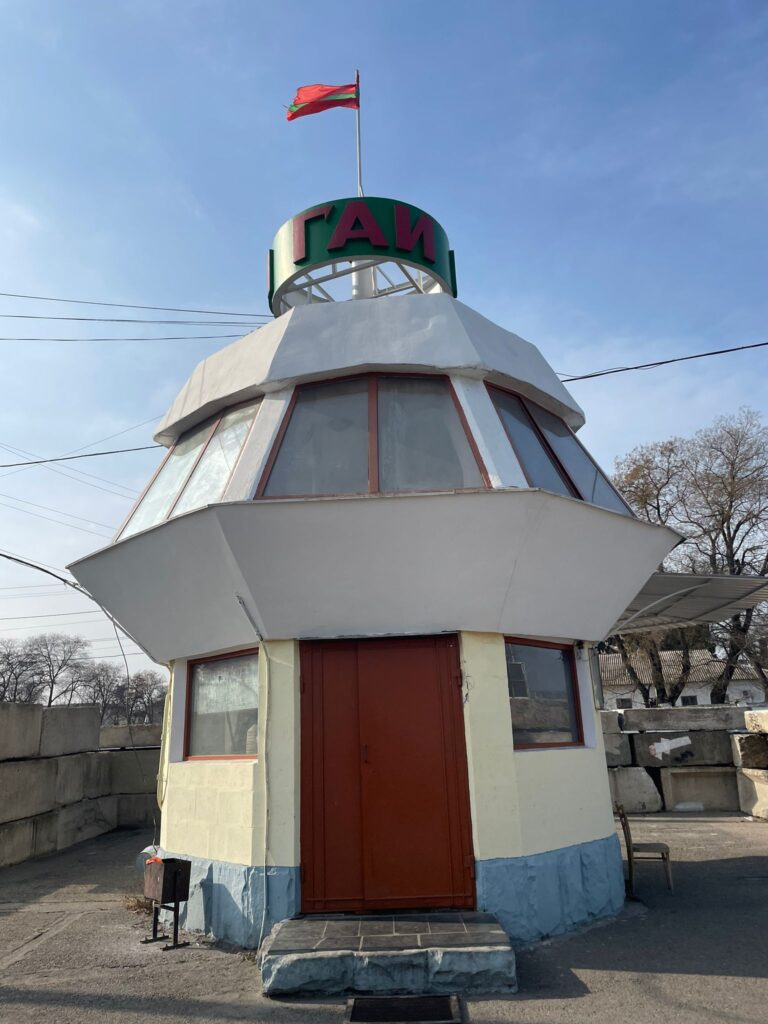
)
(621, 692)
(374, 559)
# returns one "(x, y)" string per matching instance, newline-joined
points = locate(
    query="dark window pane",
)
(325, 448)
(534, 458)
(544, 705)
(593, 486)
(624, 703)
(689, 702)
(224, 707)
(422, 444)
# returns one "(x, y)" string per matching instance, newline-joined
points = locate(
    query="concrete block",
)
(610, 721)
(635, 789)
(26, 788)
(618, 752)
(750, 750)
(16, 842)
(136, 809)
(133, 736)
(753, 791)
(481, 971)
(656, 749)
(700, 789)
(134, 771)
(97, 777)
(69, 730)
(714, 717)
(756, 721)
(20, 726)
(70, 774)
(45, 833)
(85, 820)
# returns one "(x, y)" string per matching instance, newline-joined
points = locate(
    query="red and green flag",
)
(311, 99)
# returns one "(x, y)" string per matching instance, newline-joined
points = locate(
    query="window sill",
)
(221, 757)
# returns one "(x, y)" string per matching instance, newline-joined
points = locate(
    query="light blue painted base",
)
(226, 901)
(549, 893)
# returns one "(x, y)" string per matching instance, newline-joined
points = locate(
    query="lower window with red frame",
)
(223, 706)
(543, 694)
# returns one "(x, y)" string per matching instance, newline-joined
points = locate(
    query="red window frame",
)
(579, 741)
(539, 433)
(214, 424)
(187, 705)
(373, 435)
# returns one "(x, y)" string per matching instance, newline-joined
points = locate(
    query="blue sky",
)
(599, 168)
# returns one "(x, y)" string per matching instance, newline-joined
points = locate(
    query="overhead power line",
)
(59, 511)
(85, 455)
(129, 320)
(130, 305)
(67, 472)
(665, 362)
(162, 337)
(60, 522)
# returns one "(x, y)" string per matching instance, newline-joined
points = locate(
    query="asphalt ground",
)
(70, 950)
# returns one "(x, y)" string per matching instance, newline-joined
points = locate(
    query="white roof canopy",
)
(679, 599)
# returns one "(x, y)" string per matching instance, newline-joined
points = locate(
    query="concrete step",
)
(402, 954)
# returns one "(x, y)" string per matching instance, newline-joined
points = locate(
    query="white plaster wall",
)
(702, 691)
(216, 809)
(527, 801)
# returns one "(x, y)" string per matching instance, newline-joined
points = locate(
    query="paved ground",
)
(69, 949)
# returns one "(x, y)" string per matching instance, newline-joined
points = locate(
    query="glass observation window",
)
(223, 707)
(543, 696)
(590, 482)
(325, 446)
(196, 470)
(422, 444)
(378, 433)
(550, 455)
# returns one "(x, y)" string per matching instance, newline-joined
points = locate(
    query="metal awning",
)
(679, 599)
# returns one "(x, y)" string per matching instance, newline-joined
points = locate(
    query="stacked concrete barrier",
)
(751, 759)
(696, 759)
(57, 787)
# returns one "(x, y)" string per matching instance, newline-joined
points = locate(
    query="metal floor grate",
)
(404, 1010)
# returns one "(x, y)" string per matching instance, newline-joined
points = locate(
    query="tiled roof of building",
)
(705, 668)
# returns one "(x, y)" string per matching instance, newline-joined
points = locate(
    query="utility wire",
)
(130, 305)
(86, 455)
(60, 522)
(59, 511)
(665, 362)
(67, 473)
(129, 320)
(163, 337)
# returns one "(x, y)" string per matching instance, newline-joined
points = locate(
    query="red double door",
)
(385, 818)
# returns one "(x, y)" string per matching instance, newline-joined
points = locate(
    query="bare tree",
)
(101, 686)
(19, 682)
(713, 488)
(58, 665)
(148, 689)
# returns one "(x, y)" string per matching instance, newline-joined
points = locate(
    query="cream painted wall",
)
(527, 801)
(215, 809)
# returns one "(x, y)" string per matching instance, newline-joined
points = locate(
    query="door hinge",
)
(469, 862)
(457, 678)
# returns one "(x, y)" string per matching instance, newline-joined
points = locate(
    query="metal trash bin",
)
(166, 883)
(166, 880)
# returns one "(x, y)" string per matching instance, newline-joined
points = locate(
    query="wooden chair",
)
(641, 851)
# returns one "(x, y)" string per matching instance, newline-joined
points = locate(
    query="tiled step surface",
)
(398, 954)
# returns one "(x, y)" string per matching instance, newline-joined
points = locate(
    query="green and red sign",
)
(356, 229)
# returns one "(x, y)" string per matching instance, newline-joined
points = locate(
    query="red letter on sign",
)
(406, 236)
(357, 212)
(300, 229)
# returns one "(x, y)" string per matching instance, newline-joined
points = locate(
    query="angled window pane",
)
(534, 458)
(155, 504)
(212, 472)
(422, 444)
(223, 707)
(325, 448)
(593, 486)
(542, 695)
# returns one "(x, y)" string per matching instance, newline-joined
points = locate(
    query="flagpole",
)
(357, 120)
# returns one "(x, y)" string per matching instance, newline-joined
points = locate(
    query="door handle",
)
(364, 753)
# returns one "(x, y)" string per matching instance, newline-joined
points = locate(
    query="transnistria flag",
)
(311, 99)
